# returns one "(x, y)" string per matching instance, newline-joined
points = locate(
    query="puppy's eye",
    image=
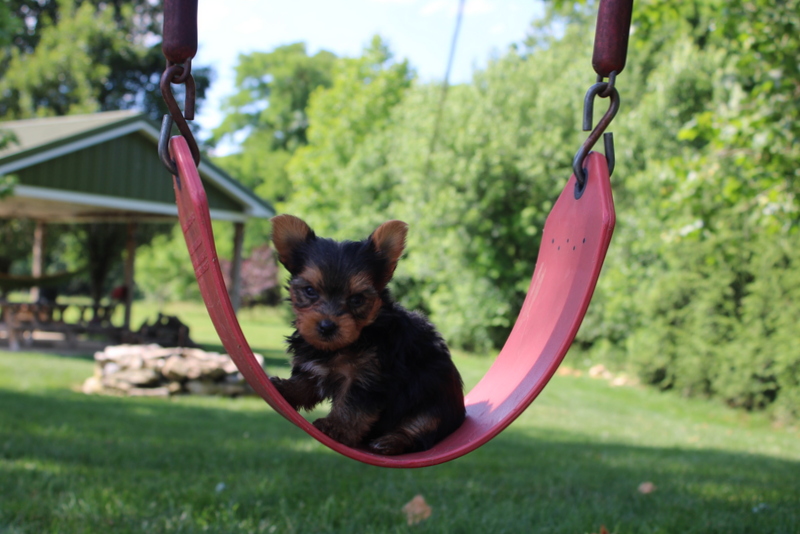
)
(356, 301)
(310, 292)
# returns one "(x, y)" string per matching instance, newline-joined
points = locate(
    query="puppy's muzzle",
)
(327, 328)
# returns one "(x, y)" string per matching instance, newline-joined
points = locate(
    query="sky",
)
(417, 30)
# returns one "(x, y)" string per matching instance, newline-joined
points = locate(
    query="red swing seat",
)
(574, 244)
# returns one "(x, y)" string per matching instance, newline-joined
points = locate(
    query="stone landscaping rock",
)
(155, 371)
(136, 376)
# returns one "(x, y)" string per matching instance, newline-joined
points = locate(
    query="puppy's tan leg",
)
(411, 434)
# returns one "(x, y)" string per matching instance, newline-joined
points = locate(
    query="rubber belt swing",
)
(574, 242)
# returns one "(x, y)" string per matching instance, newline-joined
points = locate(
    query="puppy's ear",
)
(389, 240)
(289, 233)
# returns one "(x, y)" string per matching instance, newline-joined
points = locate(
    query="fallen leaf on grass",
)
(646, 487)
(417, 510)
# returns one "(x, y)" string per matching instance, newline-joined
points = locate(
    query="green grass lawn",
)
(573, 462)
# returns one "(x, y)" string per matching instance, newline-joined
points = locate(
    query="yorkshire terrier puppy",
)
(387, 371)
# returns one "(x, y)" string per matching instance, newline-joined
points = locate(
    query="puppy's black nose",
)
(326, 327)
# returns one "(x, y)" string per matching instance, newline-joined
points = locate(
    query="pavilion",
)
(104, 167)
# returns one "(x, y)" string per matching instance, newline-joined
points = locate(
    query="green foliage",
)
(722, 321)
(164, 270)
(16, 242)
(705, 189)
(476, 201)
(267, 114)
(267, 118)
(273, 89)
(9, 25)
(343, 118)
(7, 183)
(67, 56)
(699, 293)
(62, 73)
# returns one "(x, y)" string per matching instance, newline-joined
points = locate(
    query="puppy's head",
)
(335, 287)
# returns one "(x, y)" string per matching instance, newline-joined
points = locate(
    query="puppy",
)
(387, 372)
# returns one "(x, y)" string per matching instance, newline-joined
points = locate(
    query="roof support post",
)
(130, 259)
(235, 290)
(37, 265)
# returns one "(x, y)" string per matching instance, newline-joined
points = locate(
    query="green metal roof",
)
(105, 166)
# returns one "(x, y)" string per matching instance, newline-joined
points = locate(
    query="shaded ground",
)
(72, 463)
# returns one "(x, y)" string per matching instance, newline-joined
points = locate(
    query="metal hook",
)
(588, 107)
(177, 116)
(163, 145)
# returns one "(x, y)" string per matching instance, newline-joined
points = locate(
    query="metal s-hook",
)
(602, 89)
(170, 75)
(163, 145)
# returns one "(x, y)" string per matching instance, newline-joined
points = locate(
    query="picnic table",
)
(19, 318)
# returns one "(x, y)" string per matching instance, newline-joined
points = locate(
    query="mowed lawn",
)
(574, 462)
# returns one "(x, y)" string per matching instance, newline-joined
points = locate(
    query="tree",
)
(165, 269)
(344, 119)
(704, 245)
(273, 89)
(103, 245)
(9, 25)
(267, 118)
(63, 57)
(476, 202)
(699, 293)
(269, 112)
(76, 57)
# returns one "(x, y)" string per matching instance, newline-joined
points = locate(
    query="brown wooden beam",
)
(130, 260)
(37, 264)
(234, 292)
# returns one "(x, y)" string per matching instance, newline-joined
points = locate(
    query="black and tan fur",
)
(387, 371)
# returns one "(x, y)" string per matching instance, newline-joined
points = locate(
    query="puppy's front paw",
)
(324, 425)
(280, 385)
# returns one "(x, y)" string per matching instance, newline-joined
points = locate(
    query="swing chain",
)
(612, 80)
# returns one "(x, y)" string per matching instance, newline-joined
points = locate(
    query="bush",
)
(720, 320)
(164, 270)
